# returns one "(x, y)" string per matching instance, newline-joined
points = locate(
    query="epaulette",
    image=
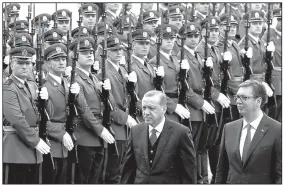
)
(8, 82)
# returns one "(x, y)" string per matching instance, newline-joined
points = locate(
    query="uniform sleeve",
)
(278, 159)
(118, 115)
(194, 99)
(13, 113)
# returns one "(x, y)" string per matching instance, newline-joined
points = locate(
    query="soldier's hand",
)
(67, 141)
(209, 62)
(43, 93)
(7, 59)
(68, 71)
(96, 65)
(75, 88)
(106, 136)
(208, 108)
(160, 71)
(42, 147)
(132, 77)
(274, 23)
(122, 61)
(248, 53)
(271, 47)
(269, 91)
(182, 112)
(185, 65)
(106, 85)
(131, 122)
(223, 100)
(227, 56)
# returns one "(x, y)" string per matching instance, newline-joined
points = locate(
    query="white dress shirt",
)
(159, 128)
(165, 54)
(21, 80)
(190, 50)
(253, 128)
(57, 78)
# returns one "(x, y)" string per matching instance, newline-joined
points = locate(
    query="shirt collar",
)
(21, 80)
(85, 72)
(190, 50)
(165, 54)
(254, 38)
(57, 78)
(139, 59)
(254, 123)
(114, 65)
(159, 127)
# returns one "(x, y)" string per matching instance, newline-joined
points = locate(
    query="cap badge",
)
(107, 26)
(23, 25)
(58, 49)
(44, 18)
(86, 42)
(168, 29)
(213, 22)
(256, 15)
(177, 10)
(54, 34)
(63, 13)
(15, 8)
(84, 31)
(144, 34)
(24, 39)
(192, 27)
(232, 18)
(90, 8)
(116, 41)
(24, 53)
(127, 20)
(151, 14)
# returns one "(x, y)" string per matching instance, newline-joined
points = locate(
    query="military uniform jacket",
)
(215, 54)
(257, 61)
(235, 68)
(21, 113)
(92, 90)
(153, 49)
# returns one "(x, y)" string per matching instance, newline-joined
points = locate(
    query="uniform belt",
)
(236, 78)
(11, 129)
(172, 95)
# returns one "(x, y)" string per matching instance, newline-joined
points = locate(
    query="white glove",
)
(7, 59)
(227, 56)
(274, 23)
(223, 100)
(43, 93)
(42, 147)
(248, 53)
(106, 136)
(122, 61)
(268, 90)
(182, 112)
(209, 62)
(96, 66)
(185, 65)
(160, 71)
(75, 88)
(67, 141)
(106, 85)
(271, 47)
(68, 71)
(132, 77)
(208, 108)
(131, 122)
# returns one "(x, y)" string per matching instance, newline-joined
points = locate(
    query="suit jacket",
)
(174, 162)
(21, 114)
(263, 164)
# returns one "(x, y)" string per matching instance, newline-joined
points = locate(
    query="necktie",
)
(247, 143)
(145, 63)
(90, 75)
(62, 83)
(153, 137)
(27, 86)
(119, 71)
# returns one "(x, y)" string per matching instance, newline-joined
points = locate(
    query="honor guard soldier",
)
(13, 10)
(126, 24)
(193, 36)
(64, 18)
(172, 68)
(22, 146)
(201, 11)
(84, 32)
(45, 22)
(118, 77)
(235, 67)
(129, 13)
(90, 146)
(111, 11)
(89, 12)
(276, 38)
(53, 36)
(20, 26)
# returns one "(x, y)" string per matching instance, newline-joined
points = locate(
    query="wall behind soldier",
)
(49, 8)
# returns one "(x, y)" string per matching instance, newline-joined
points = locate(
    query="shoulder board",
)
(8, 82)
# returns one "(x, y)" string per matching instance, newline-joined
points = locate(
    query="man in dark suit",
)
(251, 147)
(161, 150)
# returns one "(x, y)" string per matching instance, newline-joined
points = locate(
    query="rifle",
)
(182, 77)
(192, 13)
(95, 36)
(226, 113)
(55, 18)
(33, 26)
(209, 119)
(245, 60)
(214, 9)
(44, 117)
(5, 34)
(29, 16)
(268, 59)
(158, 80)
(140, 22)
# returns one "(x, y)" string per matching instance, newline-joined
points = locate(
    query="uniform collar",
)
(84, 71)
(57, 78)
(190, 50)
(21, 80)
(139, 59)
(254, 38)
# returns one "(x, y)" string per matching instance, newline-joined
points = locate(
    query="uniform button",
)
(152, 151)
(150, 161)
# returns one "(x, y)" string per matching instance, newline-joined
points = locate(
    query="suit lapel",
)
(114, 72)
(164, 137)
(140, 65)
(259, 133)
(55, 84)
(145, 137)
(238, 129)
(22, 87)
